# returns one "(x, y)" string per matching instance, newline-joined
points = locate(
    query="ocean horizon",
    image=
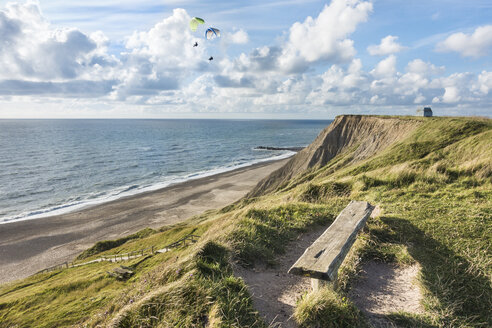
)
(55, 166)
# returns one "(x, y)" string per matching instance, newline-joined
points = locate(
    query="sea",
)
(50, 167)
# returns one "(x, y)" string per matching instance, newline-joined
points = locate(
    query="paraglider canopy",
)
(194, 22)
(211, 33)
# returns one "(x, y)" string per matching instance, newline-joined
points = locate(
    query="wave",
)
(96, 198)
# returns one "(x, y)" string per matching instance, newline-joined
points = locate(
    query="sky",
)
(281, 59)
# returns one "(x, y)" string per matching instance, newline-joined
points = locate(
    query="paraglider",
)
(194, 22)
(211, 33)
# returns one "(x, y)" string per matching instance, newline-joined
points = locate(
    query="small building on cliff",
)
(426, 112)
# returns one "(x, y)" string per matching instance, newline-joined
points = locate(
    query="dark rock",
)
(279, 148)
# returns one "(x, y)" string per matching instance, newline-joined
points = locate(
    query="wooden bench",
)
(322, 259)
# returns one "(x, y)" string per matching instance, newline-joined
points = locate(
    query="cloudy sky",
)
(304, 59)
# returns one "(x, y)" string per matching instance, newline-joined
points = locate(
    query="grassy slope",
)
(436, 195)
(435, 190)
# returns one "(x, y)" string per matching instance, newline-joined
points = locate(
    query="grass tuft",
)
(262, 233)
(434, 187)
(207, 295)
(320, 193)
(325, 308)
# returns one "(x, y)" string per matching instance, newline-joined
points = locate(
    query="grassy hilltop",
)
(432, 178)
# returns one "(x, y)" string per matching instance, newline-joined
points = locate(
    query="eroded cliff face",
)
(364, 135)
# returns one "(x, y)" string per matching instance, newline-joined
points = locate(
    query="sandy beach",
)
(27, 247)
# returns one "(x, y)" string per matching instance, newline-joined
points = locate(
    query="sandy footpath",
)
(29, 246)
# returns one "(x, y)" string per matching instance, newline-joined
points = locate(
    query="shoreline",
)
(62, 209)
(28, 246)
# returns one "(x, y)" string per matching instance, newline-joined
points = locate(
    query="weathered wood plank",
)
(322, 259)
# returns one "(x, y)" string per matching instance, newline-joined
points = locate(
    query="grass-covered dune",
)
(432, 178)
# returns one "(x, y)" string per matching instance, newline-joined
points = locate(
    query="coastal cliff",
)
(364, 136)
(431, 179)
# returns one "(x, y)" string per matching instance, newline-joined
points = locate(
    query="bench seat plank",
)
(322, 259)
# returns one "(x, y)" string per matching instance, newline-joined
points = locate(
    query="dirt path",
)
(381, 289)
(274, 291)
(384, 288)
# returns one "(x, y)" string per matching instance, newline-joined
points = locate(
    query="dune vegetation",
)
(431, 178)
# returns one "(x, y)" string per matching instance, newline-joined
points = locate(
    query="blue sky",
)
(281, 59)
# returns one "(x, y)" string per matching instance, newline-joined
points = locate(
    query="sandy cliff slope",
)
(367, 134)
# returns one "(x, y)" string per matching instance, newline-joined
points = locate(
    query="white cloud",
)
(388, 45)
(168, 42)
(158, 59)
(34, 50)
(160, 71)
(324, 38)
(462, 88)
(418, 66)
(451, 95)
(484, 82)
(38, 58)
(384, 86)
(317, 40)
(385, 68)
(238, 37)
(419, 99)
(474, 45)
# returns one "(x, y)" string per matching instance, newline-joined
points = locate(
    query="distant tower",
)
(425, 112)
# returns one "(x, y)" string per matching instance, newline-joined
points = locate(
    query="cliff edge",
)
(364, 135)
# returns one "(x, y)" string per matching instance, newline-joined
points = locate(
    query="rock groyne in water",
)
(296, 149)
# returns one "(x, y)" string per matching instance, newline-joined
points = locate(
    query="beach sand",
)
(27, 247)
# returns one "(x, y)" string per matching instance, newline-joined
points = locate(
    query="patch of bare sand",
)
(385, 288)
(29, 246)
(274, 291)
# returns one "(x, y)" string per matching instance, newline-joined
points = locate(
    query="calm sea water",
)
(50, 167)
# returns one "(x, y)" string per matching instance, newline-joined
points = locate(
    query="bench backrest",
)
(322, 259)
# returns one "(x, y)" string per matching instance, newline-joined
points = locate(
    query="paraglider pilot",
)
(196, 44)
(211, 58)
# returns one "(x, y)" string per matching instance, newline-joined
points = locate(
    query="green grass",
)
(60, 298)
(207, 294)
(407, 320)
(263, 233)
(434, 135)
(440, 218)
(105, 245)
(68, 296)
(325, 308)
(435, 191)
(321, 193)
